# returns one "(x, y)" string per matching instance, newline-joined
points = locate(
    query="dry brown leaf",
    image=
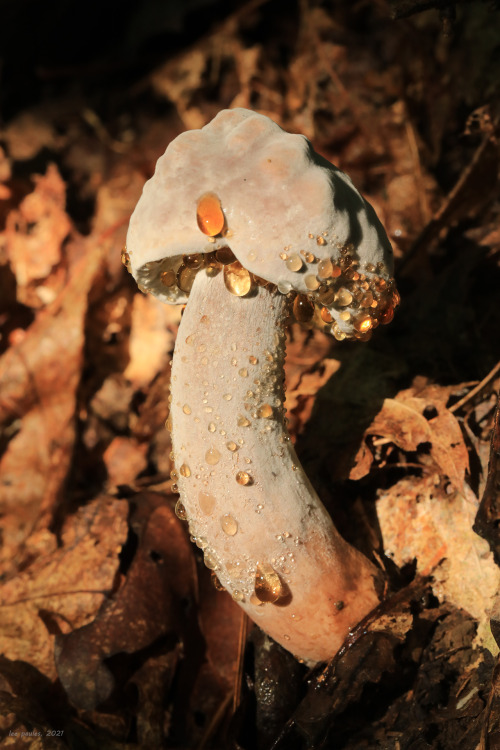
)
(34, 232)
(419, 520)
(65, 583)
(38, 384)
(402, 421)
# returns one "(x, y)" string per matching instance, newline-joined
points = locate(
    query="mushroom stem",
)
(250, 506)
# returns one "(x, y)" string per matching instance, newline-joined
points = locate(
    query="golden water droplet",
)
(320, 240)
(366, 300)
(195, 260)
(294, 262)
(243, 372)
(185, 278)
(212, 456)
(168, 278)
(325, 268)
(229, 524)
(326, 315)
(284, 256)
(174, 488)
(206, 503)
(211, 427)
(186, 409)
(265, 411)
(338, 333)
(185, 471)
(370, 267)
(209, 215)
(225, 255)
(168, 423)
(268, 586)
(345, 315)
(336, 271)
(210, 559)
(326, 294)
(237, 279)
(303, 308)
(180, 511)
(343, 297)
(227, 397)
(311, 282)
(231, 445)
(386, 315)
(310, 258)
(253, 360)
(238, 596)
(243, 421)
(243, 478)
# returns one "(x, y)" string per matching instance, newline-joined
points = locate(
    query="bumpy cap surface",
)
(241, 192)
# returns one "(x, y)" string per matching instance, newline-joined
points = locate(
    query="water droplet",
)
(345, 315)
(180, 511)
(227, 397)
(256, 601)
(212, 456)
(243, 421)
(175, 489)
(195, 260)
(326, 295)
(336, 271)
(303, 308)
(186, 409)
(225, 255)
(265, 411)
(211, 427)
(190, 339)
(243, 372)
(325, 268)
(284, 256)
(168, 423)
(238, 596)
(206, 503)
(294, 262)
(237, 279)
(268, 586)
(284, 287)
(243, 478)
(201, 542)
(229, 524)
(311, 282)
(310, 258)
(185, 278)
(185, 471)
(387, 315)
(253, 360)
(326, 315)
(209, 215)
(320, 240)
(210, 559)
(168, 278)
(231, 446)
(343, 297)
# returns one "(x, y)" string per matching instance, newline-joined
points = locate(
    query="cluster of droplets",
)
(344, 297)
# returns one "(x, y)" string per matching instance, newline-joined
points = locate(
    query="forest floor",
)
(112, 634)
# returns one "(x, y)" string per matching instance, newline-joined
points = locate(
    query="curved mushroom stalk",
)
(250, 506)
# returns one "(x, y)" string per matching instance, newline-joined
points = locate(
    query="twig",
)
(479, 387)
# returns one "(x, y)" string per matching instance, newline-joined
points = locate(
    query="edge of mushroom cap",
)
(303, 206)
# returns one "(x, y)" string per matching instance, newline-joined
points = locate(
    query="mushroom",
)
(246, 223)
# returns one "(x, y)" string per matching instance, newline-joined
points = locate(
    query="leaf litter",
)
(111, 631)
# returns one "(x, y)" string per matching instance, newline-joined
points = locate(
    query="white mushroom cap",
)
(282, 202)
